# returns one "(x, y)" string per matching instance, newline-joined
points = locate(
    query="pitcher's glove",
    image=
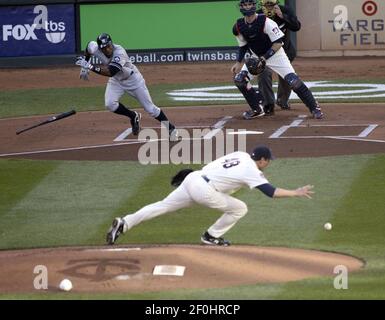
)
(255, 65)
(180, 176)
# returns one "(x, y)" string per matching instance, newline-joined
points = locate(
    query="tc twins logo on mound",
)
(54, 30)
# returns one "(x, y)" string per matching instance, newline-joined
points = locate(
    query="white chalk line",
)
(128, 142)
(352, 138)
(368, 130)
(70, 149)
(277, 133)
(297, 123)
(217, 127)
(122, 136)
(358, 139)
(314, 137)
(245, 132)
(113, 250)
(211, 134)
(334, 125)
(221, 123)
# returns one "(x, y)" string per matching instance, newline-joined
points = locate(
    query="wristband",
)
(269, 53)
(96, 69)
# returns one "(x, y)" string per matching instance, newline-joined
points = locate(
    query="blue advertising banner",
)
(37, 30)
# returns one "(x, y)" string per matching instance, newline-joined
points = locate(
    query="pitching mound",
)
(130, 269)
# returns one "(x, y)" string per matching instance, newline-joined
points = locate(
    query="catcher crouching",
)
(263, 40)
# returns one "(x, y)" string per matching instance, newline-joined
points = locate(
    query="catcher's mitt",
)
(255, 65)
(180, 176)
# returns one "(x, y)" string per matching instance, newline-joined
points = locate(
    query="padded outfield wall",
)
(161, 25)
(186, 30)
(176, 31)
(165, 32)
(341, 27)
(160, 31)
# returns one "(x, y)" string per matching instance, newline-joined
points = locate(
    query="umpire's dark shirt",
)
(289, 22)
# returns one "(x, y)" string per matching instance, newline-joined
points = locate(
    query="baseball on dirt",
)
(65, 285)
(328, 226)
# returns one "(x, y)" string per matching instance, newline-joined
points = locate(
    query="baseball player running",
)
(212, 187)
(262, 38)
(123, 77)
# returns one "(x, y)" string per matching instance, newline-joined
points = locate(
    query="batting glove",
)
(82, 62)
(84, 74)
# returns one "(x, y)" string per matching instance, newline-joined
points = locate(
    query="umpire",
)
(287, 21)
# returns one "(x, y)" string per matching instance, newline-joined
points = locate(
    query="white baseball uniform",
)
(279, 62)
(211, 186)
(128, 79)
(258, 37)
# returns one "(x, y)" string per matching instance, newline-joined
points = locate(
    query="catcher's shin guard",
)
(302, 91)
(253, 97)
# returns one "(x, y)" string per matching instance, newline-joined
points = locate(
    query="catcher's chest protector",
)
(258, 41)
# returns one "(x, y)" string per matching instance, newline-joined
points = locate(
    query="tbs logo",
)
(54, 31)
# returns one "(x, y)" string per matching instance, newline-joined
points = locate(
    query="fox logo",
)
(19, 32)
(54, 31)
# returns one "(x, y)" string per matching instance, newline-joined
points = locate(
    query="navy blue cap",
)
(261, 152)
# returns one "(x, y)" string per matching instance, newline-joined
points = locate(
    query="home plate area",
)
(297, 129)
(185, 132)
(218, 130)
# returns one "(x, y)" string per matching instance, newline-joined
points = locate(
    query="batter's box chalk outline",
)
(278, 134)
(215, 128)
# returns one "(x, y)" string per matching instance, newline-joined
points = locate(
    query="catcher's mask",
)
(268, 7)
(248, 12)
(104, 40)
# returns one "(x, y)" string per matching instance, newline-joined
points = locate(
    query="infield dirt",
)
(95, 269)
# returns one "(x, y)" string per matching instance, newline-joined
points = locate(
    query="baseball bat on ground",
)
(49, 120)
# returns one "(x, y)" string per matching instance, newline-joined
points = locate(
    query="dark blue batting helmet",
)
(103, 40)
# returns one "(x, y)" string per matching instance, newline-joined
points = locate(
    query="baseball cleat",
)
(135, 123)
(115, 230)
(210, 240)
(269, 110)
(284, 106)
(317, 113)
(173, 134)
(251, 114)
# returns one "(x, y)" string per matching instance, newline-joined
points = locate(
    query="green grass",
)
(16, 103)
(52, 203)
(65, 203)
(358, 229)
(26, 178)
